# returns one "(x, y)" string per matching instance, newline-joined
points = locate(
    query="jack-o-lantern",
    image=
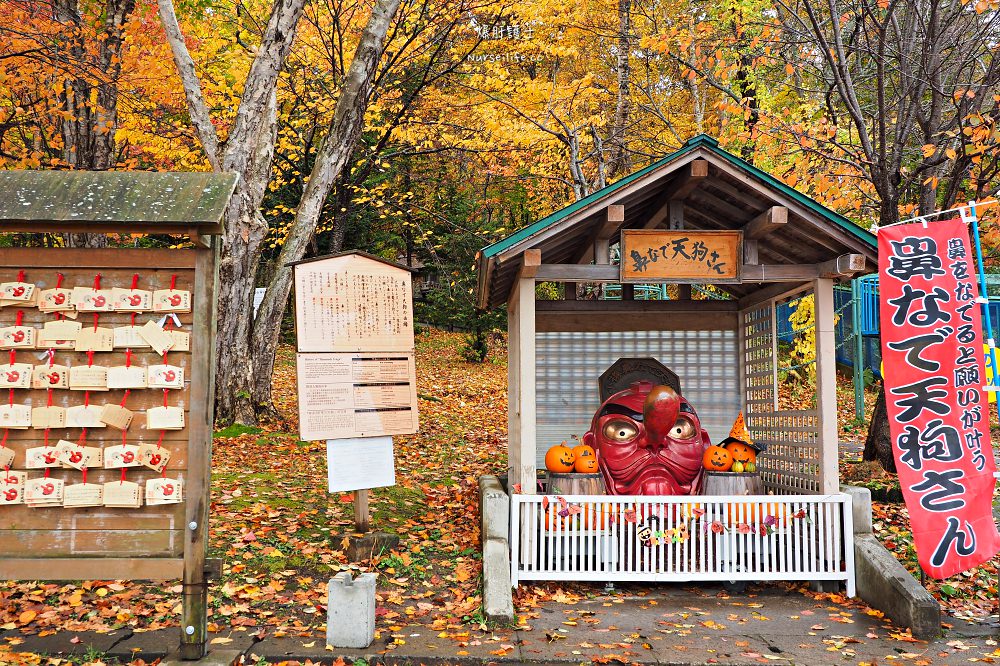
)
(717, 459)
(741, 452)
(583, 451)
(560, 458)
(586, 464)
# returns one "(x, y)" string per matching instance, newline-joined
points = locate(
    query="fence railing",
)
(717, 538)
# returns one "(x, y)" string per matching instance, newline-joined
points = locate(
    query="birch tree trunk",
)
(338, 145)
(248, 151)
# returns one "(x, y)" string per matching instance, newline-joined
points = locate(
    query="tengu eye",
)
(620, 430)
(683, 429)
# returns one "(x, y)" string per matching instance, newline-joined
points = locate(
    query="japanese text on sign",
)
(706, 256)
(932, 343)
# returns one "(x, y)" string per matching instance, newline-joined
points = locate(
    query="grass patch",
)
(236, 430)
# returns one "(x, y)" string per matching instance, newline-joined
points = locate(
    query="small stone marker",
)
(351, 611)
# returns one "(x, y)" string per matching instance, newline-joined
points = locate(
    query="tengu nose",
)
(659, 413)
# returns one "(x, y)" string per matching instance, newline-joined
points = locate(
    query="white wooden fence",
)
(717, 538)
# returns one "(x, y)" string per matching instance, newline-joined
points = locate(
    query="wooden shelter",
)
(724, 349)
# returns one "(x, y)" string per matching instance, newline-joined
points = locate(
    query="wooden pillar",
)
(826, 385)
(521, 385)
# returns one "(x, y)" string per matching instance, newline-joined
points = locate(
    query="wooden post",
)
(521, 385)
(194, 602)
(362, 516)
(826, 385)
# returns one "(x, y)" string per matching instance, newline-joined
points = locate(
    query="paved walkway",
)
(648, 625)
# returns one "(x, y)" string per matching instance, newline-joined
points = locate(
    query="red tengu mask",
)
(649, 441)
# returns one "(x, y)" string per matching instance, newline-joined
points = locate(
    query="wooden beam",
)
(778, 272)
(677, 190)
(598, 244)
(767, 293)
(846, 265)
(588, 322)
(674, 308)
(577, 273)
(676, 214)
(90, 568)
(731, 211)
(770, 220)
(531, 261)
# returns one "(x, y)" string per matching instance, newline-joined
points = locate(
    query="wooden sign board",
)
(653, 255)
(355, 366)
(356, 395)
(353, 302)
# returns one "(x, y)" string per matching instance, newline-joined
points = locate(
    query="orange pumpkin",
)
(560, 458)
(741, 452)
(586, 464)
(716, 459)
(582, 451)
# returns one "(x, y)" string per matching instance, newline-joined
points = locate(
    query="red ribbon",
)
(128, 357)
(133, 319)
(127, 391)
(50, 399)
(173, 282)
(96, 316)
(84, 470)
(135, 281)
(97, 282)
(86, 398)
(83, 438)
(13, 356)
(20, 318)
(59, 280)
(90, 358)
(20, 276)
(165, 392)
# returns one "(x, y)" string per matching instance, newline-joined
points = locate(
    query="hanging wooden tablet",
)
(84, 416)
(50, 377)
(42, 492)
(6, 457)
(128, 337)
(127, 377)
(88, 378)
(55, 300)
(156, 337)
(15, 417)
(17, 337)
(12, 487)
(181, 340)
(18, 291)
(164, 491)
(77, 456)
(132, 300)
(116, 416)
(164, 418)
(59, 331)
(16, 375)
(86, 299)
(80, 495)
(165, 376)
(171, 300)
(48, 417)
(40, 457)
(121, 455)
(95, 339)
(122, 494)
(154, 456)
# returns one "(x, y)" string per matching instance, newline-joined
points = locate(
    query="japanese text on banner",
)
(932, 343)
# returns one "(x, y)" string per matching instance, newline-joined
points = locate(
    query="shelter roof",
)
(109, 201)
(730, 194)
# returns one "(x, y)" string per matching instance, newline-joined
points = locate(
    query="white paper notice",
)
(356, 395)
(360, 463)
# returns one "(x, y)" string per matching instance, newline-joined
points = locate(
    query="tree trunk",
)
(338, 145)
(619, 162)
(878, 444)
(90, 97)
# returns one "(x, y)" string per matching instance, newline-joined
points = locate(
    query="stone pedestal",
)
(351, 611)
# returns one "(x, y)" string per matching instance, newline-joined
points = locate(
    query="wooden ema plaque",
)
(102, 525)
(654, 255)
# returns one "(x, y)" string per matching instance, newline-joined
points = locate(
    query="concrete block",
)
(885, 584)
(498, 600)
(861, 501)
(213, 658)
(494, 509)
(351, 610)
